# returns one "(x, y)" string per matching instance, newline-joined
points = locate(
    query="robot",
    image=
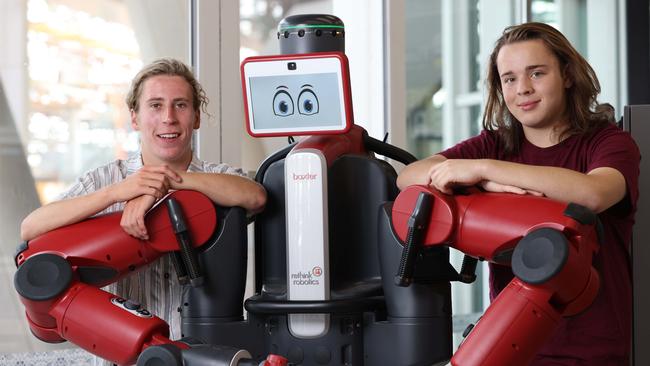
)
(61, 272)
(348, 270)
(548, 244)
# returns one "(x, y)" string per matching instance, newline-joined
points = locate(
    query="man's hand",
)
(467, 172)
(133, 216)
(491, 186)
(451, 173)
(154, 181)
(141, 190)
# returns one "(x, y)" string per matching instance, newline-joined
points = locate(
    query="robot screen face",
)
(296, 95)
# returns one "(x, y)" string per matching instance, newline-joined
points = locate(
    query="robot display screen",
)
(295, 96)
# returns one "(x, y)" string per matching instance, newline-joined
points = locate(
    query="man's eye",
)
(181, 105)
(536, 74)
(508, 80)
(155, 105)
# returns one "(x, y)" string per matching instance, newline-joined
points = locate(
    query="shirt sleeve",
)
(222, 168)
(616, 149)
(482, 146)
(82, 186)
(95, 179)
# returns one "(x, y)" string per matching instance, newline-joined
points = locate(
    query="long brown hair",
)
(582, 109)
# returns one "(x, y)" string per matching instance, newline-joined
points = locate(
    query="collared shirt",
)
(155, 287)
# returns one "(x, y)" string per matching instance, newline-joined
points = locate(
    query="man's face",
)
(533, 85)
(165, 119)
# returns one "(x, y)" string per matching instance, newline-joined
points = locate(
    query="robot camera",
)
(291, 65)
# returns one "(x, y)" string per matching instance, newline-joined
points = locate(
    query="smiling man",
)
(165, 102)
(544, 133)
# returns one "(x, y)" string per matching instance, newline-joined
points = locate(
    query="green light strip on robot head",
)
(311, 26)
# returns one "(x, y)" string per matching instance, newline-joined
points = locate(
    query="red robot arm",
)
(549, 245)
(59, 274)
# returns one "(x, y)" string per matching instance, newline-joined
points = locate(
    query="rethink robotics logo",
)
(309, 278)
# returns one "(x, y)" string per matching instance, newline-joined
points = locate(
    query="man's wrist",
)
(176, 185)
(107, 195)
(484, 168)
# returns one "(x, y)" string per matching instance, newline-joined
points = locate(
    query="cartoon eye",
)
(307, 102)
(282, 104)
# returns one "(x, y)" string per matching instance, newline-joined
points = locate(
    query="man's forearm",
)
(418, 172)
(225, 189)
(64, 212)
(597, 190)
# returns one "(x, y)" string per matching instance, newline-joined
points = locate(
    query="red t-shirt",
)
(601, 334)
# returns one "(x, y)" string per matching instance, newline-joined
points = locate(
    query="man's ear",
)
(568, 82)
(134, 120)
(568, 78)
(197, 120)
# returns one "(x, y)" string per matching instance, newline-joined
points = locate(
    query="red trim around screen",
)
(347, 91)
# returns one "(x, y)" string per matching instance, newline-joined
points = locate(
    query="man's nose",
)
(170, 114)
(524, 87)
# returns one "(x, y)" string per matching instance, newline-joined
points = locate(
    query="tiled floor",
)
(65, 357)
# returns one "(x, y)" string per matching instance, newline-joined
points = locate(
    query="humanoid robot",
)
(348, 270)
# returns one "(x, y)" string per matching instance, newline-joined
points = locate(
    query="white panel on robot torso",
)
(307, 238)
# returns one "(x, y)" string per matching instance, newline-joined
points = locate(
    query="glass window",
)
(442, 74)
(567, 16)
(81, 59)
(544, 11)
(80, 66)
(443, 103)
(65, 68)
(425, 95)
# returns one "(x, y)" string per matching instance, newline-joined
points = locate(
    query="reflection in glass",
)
(432, 89)
(544, 11)
(66, 67)
(80, 66)
(426, 95)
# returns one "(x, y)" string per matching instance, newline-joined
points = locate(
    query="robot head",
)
(304, 91)
(307, 94)
(309, 33)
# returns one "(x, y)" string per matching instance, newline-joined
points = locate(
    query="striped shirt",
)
(155, 287)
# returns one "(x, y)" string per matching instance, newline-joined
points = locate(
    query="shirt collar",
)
(196, 165)
(134, 163)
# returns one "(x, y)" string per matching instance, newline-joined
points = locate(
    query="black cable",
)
(388, 150)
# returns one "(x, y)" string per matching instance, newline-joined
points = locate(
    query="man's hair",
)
(168, 67)
(582, 109)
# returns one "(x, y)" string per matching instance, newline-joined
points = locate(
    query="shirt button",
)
(166, 275)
